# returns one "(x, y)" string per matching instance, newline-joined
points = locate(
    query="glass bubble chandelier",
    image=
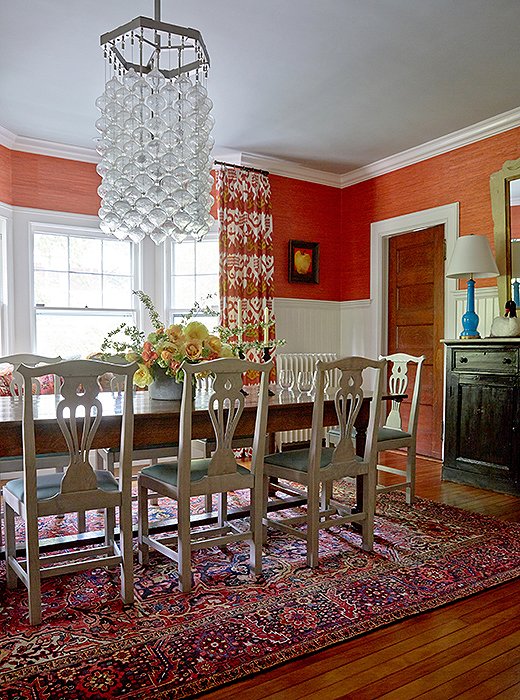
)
(155, 132)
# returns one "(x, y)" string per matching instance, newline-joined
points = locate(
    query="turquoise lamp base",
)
(470, 318)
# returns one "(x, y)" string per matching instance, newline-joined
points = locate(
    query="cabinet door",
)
(481, 431)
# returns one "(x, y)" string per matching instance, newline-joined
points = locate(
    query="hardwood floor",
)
(468, 649)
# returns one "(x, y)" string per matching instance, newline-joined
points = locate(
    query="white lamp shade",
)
(472, 257)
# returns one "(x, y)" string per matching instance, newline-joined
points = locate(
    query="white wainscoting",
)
(357, 328)
(308, 325)
(347, 327)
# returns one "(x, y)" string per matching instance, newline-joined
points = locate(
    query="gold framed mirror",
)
(500, 186)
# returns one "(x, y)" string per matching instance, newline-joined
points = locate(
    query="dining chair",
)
(392, 435)
(13, 387)
(79, 414)
(218, 474)
(317, 467)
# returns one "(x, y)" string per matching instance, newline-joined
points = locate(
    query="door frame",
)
(380, 233)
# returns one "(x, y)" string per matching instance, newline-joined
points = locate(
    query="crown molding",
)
(7, 138)
(450, 142)
(277, 166)
(56, 150)
(47, 148)
(285, 168)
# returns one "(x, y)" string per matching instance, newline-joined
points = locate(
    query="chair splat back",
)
(347, 401)
(79, 402)
(398, 383)
(226, 404)
(225, 407)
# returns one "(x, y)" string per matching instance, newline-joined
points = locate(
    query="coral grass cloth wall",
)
(58, 184)
(6, 168)
(457, 176)
(301, 210)
(309, 212)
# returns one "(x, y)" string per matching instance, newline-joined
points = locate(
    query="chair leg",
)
(208, 503)
(33, 571)
(369, 504)
(10, 546)
(184, 545)
(256, 503)
(326, 495)
(265, 500)
(410, 474)
(125, 541)
(82, 521)
(313, 517)
(110, 524)
(154, 501)
(142, 523)
(222, 508)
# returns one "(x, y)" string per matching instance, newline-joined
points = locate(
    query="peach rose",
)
(214, 343)
(193, 349)
(174, 332)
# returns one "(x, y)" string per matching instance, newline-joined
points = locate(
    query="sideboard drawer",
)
(502, 361)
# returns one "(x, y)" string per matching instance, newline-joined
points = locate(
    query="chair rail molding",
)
(380, 233)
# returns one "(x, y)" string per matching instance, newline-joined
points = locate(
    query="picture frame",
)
(304, 261)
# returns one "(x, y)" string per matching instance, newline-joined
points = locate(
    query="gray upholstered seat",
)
(48, 485)
(391, 434)
(298, 459)
(167, 472)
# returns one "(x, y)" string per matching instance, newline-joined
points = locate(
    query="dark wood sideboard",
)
(482, 414)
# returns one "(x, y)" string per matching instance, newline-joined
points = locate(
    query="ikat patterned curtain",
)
(246, 250)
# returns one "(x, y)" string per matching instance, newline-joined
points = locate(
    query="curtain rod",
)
(242, 167)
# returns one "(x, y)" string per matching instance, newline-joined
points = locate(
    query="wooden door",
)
(416, 322)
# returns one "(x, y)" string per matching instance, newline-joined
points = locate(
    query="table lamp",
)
(472, 258)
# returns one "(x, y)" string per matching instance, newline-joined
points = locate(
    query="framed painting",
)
(304, 261)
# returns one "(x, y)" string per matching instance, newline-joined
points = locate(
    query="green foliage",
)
(150, 307)
(127, 339)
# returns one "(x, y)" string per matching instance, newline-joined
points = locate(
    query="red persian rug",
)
(172, 645)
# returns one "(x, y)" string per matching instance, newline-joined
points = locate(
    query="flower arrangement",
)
(166, 347)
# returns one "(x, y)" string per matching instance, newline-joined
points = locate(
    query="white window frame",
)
(72, 226)
(169, 311)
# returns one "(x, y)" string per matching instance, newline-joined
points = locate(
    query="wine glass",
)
(305, 382)
(286, 379)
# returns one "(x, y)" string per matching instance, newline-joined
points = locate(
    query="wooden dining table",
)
(156, 422)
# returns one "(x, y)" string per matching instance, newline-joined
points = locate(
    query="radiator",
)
(300, 362)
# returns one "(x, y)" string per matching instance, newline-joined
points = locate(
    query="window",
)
(3, 296)
(82, 289)
(193, 277)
